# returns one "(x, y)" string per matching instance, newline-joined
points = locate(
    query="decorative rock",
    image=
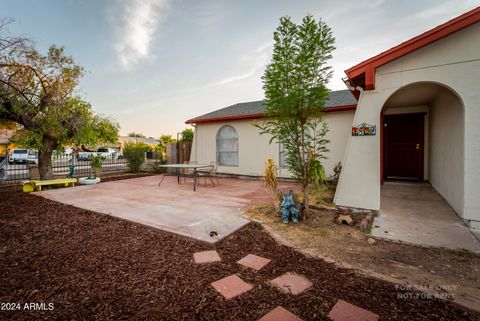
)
(344, 219)
(371, 241)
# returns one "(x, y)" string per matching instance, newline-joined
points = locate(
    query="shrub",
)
(270, 180)
(134, 153)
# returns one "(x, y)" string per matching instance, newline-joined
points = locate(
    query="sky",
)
(153, 64)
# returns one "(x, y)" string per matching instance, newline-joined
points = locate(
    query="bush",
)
(134, 153)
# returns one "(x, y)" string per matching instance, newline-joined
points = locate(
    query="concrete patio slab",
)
(416, 213)
(171, 207)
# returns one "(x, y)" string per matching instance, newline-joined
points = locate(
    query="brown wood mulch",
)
(93, 266)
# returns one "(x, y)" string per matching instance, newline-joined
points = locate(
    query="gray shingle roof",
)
(336, 98)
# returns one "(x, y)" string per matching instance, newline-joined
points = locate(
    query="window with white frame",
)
(227, 146)
(282, 160)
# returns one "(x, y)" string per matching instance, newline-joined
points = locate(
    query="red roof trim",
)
(366, 69)
(261, 115)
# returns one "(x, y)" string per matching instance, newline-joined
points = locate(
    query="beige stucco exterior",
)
(452, 66)
(254, 149)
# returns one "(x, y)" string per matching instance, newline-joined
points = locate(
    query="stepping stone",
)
(231, 286)
(344, 311)
(280, 314)
(206, 257)
(254, 262)
(292, 283)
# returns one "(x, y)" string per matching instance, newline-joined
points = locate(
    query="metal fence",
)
(13, 170)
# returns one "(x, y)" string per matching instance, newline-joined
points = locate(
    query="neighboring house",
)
(127, 139)
(423, 98)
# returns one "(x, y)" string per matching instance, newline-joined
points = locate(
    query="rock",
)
(345, 219)
(371, 241)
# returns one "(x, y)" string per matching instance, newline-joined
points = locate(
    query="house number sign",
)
(364, 129)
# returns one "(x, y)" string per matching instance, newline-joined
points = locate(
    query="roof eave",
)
(366, 68)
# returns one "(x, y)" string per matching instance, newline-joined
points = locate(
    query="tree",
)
(38, 92)
(295, 94)
(187, 135)
(133, 134)
(164, 139)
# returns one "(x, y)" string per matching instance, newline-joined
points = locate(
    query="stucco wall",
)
(254, 148)
(454, 62)
(446, 149)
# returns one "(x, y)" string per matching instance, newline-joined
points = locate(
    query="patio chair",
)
(210, 173)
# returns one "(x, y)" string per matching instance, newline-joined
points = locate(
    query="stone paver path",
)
(206, 257)
(231, 286)
(254, 262)
(292, 283)
(344, 311)
(280, 314)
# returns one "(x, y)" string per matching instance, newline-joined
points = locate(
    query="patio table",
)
(177, 173)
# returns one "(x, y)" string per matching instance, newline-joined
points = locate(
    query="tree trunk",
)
(45, 159)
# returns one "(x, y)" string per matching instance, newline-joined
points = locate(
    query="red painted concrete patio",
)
(171, 206)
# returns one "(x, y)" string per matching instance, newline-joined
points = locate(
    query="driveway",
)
(209, 214)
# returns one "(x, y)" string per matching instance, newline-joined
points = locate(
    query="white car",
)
(23, 156)
(107, 152)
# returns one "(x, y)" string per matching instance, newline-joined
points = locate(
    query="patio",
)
(209, 214)
(416, 213)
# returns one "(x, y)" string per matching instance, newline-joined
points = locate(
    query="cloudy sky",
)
(152, 64)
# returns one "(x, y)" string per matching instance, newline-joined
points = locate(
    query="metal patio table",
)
(177, 173)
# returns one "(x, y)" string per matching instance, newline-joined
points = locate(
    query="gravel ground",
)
(93, 266)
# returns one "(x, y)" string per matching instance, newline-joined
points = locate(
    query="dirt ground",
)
(432, 269)
(97, 267)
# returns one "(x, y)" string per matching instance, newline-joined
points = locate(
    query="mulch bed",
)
(93, 266)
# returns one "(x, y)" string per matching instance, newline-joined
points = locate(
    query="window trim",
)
(238, 146)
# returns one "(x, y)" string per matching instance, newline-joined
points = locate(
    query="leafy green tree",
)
(187, 135)
(38, 92)
(133, 134)
(295, 91)
(164, 139)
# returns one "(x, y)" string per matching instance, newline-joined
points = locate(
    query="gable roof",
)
(363, 73)
(337, 100)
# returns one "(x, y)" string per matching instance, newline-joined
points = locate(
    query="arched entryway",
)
(423, 138)
(422, 166)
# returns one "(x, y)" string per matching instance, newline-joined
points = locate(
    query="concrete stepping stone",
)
(206, 257)
(280, 314)
(254, 262)
(344, 311)
(292, 283)
(231, 286)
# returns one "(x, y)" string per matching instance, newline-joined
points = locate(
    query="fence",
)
(12, 171)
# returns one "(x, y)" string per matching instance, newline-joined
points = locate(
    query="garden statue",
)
(71, 168)
(288, 208)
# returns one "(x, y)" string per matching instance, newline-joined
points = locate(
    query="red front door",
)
(403, 146)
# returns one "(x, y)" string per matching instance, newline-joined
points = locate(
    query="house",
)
(416, 117)
(122, 140)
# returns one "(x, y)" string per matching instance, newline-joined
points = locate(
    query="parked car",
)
(107, 152)
(23, 156)
(85, 156)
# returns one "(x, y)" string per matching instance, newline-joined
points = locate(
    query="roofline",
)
(367, 67)
(260, 115)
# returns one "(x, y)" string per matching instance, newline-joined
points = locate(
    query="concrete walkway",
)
(209, 214)
(416, 213)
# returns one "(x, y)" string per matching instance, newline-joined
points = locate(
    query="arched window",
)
(227, 146)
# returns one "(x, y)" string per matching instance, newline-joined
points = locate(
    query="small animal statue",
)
(288, 208)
